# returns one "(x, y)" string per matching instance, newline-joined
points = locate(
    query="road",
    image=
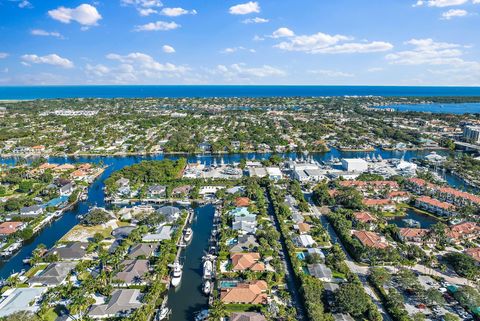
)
(292, 283)
(359, 270)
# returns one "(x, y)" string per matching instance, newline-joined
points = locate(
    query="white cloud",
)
(332, 73)
(25, 4)
(146, 63)
(144, 7)
(175, 12)
(441, 3)
(41, 32)
(84, 14)
(52, 59)
(3, 55)
(144, 12)
(158, 26)
(375, 69)
(245, 8)
(282, 32)
(168, 49)
(241, 71)
(255, 20)
(427, 51)
(235, 49)
(97, 70)
(452, 13)
(321, 43)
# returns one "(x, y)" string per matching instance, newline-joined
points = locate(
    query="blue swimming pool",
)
(226, 284)
(301, 256)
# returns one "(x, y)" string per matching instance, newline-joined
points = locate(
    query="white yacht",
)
(188, 235)
(207, 269)
(163, 314)
(177, 274)
(207, 287)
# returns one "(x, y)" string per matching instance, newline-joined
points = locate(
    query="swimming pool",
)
(226, 284)
(301, 256)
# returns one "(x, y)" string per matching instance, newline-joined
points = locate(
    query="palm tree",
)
(217, 311)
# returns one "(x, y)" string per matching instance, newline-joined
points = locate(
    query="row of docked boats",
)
(208, 273)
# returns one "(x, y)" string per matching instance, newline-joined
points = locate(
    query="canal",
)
(187, 299)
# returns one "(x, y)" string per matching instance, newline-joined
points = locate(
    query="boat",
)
(183, 202)
(163, 314)
(207, 269)
(176, 274)
(207, 287)
(188, 235)
(202, 315)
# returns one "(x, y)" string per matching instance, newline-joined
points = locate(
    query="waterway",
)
(425, 220)
(187, 299)
(52, 233)
(461, 108)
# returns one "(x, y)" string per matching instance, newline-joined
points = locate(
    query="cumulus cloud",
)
(452, 13)
(282, 32)
(245, 8)
(168, 49)
(3, 55)
(255, 20)
(44, 33)
(144, 7)
(52, 59)
(146, 63)
(241, 71)
(85, 14)
(441, 3)
(158, 26)
(427, 51)
(175, 12)
(322, 43)
(235, 49)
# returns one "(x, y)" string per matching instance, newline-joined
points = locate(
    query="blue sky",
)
(325, 42)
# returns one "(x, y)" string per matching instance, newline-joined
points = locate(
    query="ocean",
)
(52, 92)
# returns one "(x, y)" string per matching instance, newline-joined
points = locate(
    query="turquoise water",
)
(227, 284)
(301, 256)
(57, 201)
(464, 108)
(48, 92)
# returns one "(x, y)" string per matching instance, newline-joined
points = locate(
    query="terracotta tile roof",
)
(474, 253)
(65, 167)
(370, 239)
(247, 316)
(47, 166)
(375, 184)
(376, 202)
(466, 228)
(252, 292)
(7, 228)
(303, 227)
(79, 173)
(436, 203)
(398, 194)
(410, 233)
(364, 217)
(246, 261)
(242, 202)
(459, 194)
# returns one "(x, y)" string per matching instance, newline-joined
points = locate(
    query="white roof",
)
(274, 171)
(17, 300)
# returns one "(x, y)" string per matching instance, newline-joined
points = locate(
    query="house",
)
(354, 164)
(247, 316)
(67, 190)
(53, 275)
(8, 228)
(122, 303)
(34, 210)
(364, 217)
(370, 239)
(142, 250)
(163, 233)
(302, 228)
(122, 232)
(242, 202)
(246, 261)
(181, 191)
(274, 173)
(464, 231)
(123, 182)
(171, 213)
(64, 168)
(156, 191)
(412, 234)
(435, 206)
(304, 241)
(320, 271)
(245, 224)
(253, 292)
(245, 243)
(385, 205)
(72, 251)
(133, 272)
(474, 253)
(210, 190)
(20, 299)
(399, 196)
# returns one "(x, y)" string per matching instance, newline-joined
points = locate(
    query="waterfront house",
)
(181, 191)
(8, 228)
(20, 299)
(67, 190)
(34, 210)
(416, 235)
(242, 202)
(73, 251)
(399, 196)
(53, 275)
(320, 271)
(385, 205)
(64, 168)
(370, 239)
(302, 228)
(133, 272)
(245, 243)
(246, 261)
(252, 292)
(464, 231)
(365, 218)
(274, 173)
(121, 304)
(435, 206)
(247, 316)
(157, 191)
(163, 233)
(171, 213)
(142, 250)
(122, 232)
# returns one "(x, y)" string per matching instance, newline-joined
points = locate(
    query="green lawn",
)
(35, 269)
(242, 307)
